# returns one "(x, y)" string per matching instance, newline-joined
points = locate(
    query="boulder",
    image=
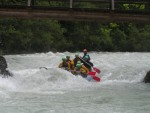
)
(147, 77)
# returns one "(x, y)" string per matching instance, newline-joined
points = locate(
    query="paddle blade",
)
(96, 78)
(92, 73)
(43, 68)
(97, 70)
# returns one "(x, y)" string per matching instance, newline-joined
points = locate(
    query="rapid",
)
(35, 90)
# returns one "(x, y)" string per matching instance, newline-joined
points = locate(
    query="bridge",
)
(79, 10)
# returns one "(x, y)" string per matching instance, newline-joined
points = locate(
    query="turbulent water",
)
(34, 90)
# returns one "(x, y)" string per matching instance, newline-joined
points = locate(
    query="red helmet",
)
(84, 50)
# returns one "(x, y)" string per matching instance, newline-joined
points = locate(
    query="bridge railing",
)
(84, 4)
(108, 5)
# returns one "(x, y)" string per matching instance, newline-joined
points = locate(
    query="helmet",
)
(78, 65)
(64, 59)
(76, 55)
(78, 62)
(84, 50)
(67, 56)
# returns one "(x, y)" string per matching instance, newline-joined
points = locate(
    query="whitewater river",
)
(34, 90)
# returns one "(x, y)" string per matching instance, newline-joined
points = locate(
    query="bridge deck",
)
(76, 14)
(71, 10)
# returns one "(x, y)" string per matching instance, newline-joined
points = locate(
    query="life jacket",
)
(88, 65)
(71, 64)
(83, 70)
(87, 56)
(64, 65)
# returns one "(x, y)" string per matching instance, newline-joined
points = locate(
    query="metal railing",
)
(89, 10)
(107, 4)
(111, 5)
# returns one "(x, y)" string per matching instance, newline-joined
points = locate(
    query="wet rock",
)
(147, 77)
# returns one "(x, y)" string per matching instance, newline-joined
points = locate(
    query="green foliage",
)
(18, 36)
(139, 38)
(119, 40)
(134, 6)
(25, 35)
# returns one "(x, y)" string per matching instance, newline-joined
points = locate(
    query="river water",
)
(34, 90)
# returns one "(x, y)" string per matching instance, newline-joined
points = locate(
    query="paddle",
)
(97, 70)
(93, 74)
(93, 68)
(43, 68)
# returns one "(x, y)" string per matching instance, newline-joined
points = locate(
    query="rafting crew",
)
(79, 65)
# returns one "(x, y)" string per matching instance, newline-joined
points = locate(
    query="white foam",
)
(116, 68)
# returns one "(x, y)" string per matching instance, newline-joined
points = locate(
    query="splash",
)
(117, 68)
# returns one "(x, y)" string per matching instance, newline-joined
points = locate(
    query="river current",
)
(35, 90)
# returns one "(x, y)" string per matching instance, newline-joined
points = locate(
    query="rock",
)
(147, 78)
